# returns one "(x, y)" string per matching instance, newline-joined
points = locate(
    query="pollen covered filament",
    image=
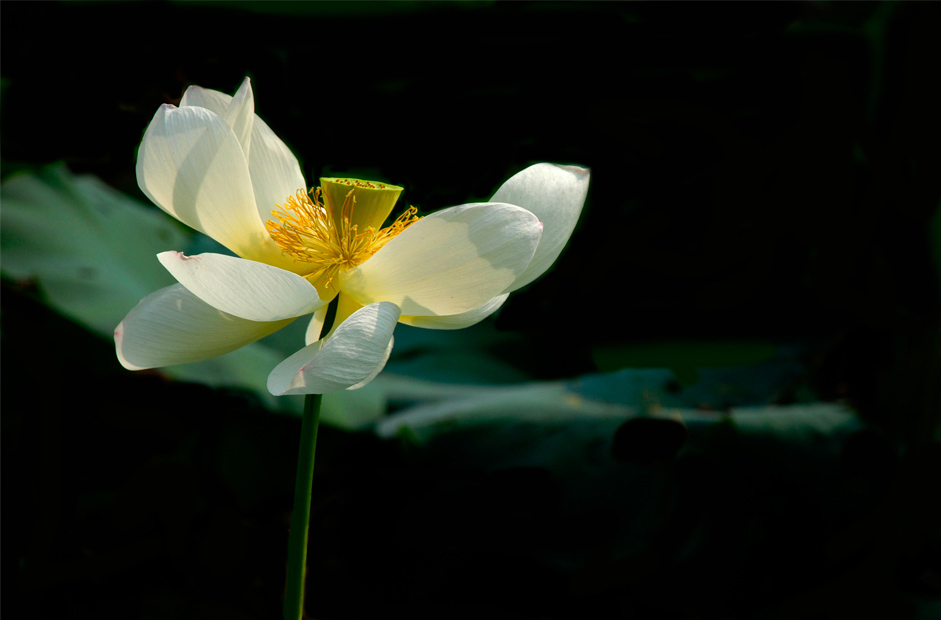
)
(306, 231)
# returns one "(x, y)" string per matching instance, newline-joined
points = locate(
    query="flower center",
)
(327, 236)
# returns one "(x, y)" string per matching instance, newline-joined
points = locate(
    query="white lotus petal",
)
(378, 368)
(274, 170)
(243, 288)
(206, 98)
(556, 195)
(456, 321)
(238, 112)
(191, 165)
(173, 326)
(241, 114)
(353, 355)
(449, 262)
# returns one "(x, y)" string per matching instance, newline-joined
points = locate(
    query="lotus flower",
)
(214, 165)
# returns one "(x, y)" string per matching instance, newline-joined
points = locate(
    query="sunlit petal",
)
(274, 170)
(240, 115)
(206, 98)
(449, 262)
(238, 111)
(191, 164)
(244, 288)
(556, 195)
(173, 326)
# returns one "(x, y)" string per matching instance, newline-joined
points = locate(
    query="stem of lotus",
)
(300, 518)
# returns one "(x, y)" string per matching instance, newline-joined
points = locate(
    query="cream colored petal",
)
(449, 262)
(345, 308)
(238, 112)
(240, 115)
(274, 170)
(315, 327)
(243, 288)
(173, 326)
(456, 321)
(353, 355)
(191, 165)
(206, 98)
(556, 195)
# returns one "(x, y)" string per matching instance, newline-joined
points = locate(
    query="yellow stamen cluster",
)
(307, 232)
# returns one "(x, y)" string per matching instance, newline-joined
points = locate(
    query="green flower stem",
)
(297, 541)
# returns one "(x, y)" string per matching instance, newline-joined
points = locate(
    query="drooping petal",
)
(243, 288)
(191, 165)
(274, 170)
(556, 195)
(449, 262)
(456, 321)
(353, 355)
(378, 368)
(173, 326)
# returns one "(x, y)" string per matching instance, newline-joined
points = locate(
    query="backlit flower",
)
(215, 166)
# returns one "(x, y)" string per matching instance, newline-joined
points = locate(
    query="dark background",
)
(760, 171)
